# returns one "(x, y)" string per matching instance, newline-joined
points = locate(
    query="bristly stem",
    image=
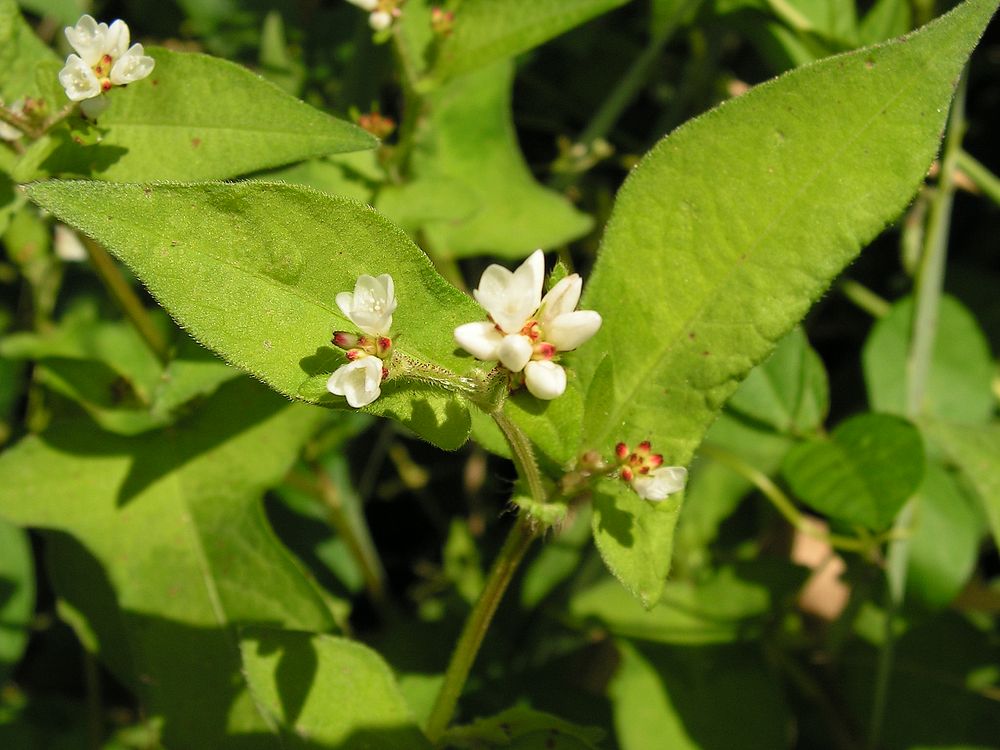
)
(127, 299)
(981, 177)
(507, 561)
(524, 456)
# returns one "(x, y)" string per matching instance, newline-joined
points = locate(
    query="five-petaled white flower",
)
(371, 305)
(645, 472)
(526, 331)
(359, 381)
(381, 12)
(104, 59)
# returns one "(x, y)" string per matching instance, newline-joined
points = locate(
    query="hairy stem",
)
(524, 455)
(127, 299)
(517, 544)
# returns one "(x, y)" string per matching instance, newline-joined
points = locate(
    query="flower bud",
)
(344, 340)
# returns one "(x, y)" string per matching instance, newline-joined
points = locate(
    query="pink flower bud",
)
(344, 340)
(621, 450)
(627, 474)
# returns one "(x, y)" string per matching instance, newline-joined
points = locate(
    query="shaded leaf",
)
(867, 470)
(327, 692)
(17, 596)
(158, 548)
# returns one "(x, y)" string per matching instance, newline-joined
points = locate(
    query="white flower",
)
(371, 305)
(103, 59)
(359, 381)
(528, 331)
(660, 483)
(382, 12)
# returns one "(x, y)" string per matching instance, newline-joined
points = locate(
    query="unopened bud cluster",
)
(442, 21)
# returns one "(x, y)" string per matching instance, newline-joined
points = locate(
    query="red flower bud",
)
(621, 450)
(627, 474)
(344, 340)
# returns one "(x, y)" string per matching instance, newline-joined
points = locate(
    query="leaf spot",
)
(195, 142)
(869, 63)
(267, 344)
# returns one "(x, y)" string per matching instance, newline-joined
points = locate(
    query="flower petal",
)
(545, 380)
(358, 381)
(373, 304)
(116, 39)
(131, 66)
(660, 483)
(368, 5)
(78, 80)
(345, 301)
(570, 330)
(88, 38)
(511, 298)
(561, 299)
(480, 339)
(514, 352)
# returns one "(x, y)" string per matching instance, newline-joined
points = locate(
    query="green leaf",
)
(871, 465)
(553, 426)
(194, 118)
(696, 699)
(322, 691)
(355, 175)
(635, 537)
(973, 450)
(961, 369)
(22, 57)
(17, 596)
(887, 18)
(944, 545)
(731, 604)
(486, 31)
(251, 270)
(788, 391)
(523, 728)
(736, 223)
(472, 192)
(158, 548)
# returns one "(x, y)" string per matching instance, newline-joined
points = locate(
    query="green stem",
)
(981, 177)
(930, 272)
(524, 456)
(517, 544)
(929, 283)
(781, 502)
(127, 299)
(790, 15)
(865, 298)
(361, 549)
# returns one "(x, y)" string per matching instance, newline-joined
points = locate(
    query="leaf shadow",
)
(69, 157)
(612, 518)
(238, 406)
(323, 361)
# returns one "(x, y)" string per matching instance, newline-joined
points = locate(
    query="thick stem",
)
(127, 299)
(517, 544)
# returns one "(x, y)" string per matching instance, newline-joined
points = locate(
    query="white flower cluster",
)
(104, 59)
(381, 13)
(370, 307)
(526, 332)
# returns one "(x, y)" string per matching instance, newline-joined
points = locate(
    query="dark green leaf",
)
(863, 474)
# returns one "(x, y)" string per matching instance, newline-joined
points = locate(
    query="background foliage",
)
(189, 559)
